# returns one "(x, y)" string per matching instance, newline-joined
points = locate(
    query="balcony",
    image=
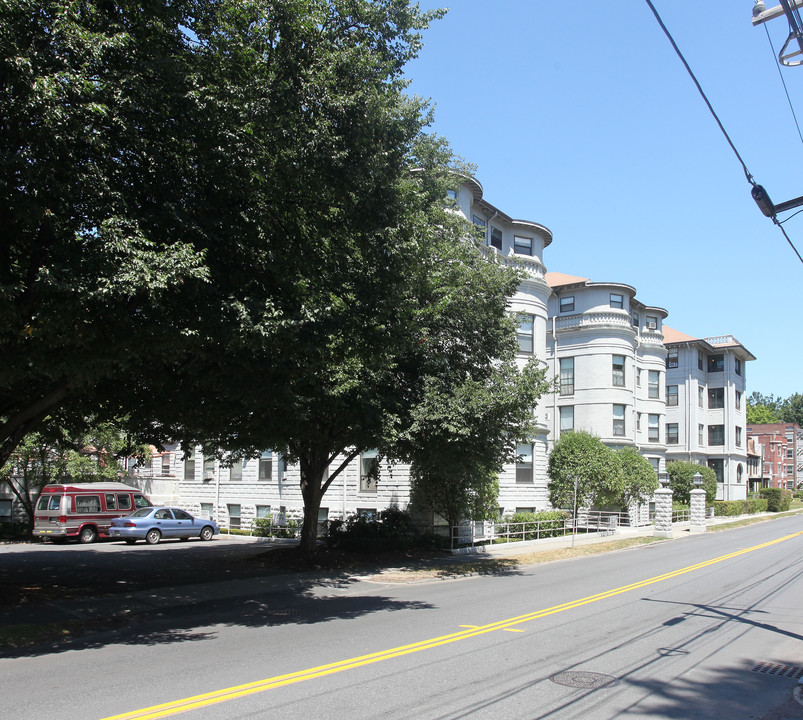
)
(593, 319)
(530, 264)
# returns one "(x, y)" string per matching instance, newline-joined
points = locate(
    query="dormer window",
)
(496, 238)
(478, 221)
(567, 304)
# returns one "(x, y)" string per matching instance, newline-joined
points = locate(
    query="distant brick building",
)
(783, 453)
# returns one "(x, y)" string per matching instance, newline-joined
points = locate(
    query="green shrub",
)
(15, 531)
(544, 524)
(265, 527)
(778, 499)
(730, 508)
(392, 530)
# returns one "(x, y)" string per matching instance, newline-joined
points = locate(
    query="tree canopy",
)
(584, 458)
(640, 478)
(461, 434)
(681, 480)
(768, 409)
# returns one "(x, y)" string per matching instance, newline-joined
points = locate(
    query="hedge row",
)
(778, 499)
(740, 507)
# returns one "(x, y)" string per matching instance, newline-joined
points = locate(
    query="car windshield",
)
(144, 512)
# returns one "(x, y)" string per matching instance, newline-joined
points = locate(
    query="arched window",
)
(739, 473)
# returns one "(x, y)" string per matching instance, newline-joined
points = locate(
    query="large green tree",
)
(640, 478)
(763, 408)
(582, 461)
(99, 203)
(461, 434)
(681, 480)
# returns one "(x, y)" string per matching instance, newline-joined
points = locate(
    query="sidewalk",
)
(679, 530)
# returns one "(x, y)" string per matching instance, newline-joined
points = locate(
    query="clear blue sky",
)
(580, 116)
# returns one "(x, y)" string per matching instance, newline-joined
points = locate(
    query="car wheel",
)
(130, 542)
(207, 533)
(153, 536)
(88, 534)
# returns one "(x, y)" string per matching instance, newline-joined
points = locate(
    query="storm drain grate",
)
(588, 680)
(768, 668)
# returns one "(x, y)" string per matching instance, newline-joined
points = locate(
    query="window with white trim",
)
(525, 333)
(522, 245)
(619, 420)
(654, 428)
(654, 387)
(671, 395)
(566, 418)
(618, 366)
(567, 376)
(524, 463)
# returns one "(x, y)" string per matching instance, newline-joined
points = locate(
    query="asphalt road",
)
(679, 629)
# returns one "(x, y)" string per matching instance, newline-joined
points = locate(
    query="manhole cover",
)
(581, 679)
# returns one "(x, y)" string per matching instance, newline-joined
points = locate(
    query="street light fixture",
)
(697, 480)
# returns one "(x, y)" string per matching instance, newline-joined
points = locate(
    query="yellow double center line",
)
(237, 691)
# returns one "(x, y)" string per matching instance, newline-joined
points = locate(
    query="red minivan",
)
(83, 510)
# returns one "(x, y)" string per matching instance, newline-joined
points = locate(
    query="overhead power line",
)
(759, 194)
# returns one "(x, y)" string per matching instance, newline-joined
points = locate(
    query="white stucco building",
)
(622, 375)
(606, 348)
(706, 407)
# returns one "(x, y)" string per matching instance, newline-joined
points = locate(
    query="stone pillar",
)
(697, 518)
(663, 513)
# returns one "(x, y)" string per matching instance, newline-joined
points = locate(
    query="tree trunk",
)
(312, 469)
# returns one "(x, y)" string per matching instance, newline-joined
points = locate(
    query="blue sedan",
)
(151, 524)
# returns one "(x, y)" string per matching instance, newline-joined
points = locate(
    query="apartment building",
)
(782, 464)
(623, 375)
(706, 407)
(606, 348)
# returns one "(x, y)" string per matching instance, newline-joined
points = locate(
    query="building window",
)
(699, 359)
(652, 322)
(672, 358)
(671, 395)
(206, 511)
(654, 390)
(567, 376)
(567, 304)
(739, 472)
(619, 420)
(236, 470)
(262, 512)
(738, 400)
(567, 418)
(718, 466)
(369, 471)
(209, 467)
(638, 377)
(701, 435)
(266, 465)
(525, 333)
(524, 463)
(638, 422)
(671, 433)
(737, 365)
(716, 398)
(617, 301)
(790, 470)
(716, 363)
(522, 245)
(656, 464)
(700, 395)
(234, 515)
(738, 437)
(790, 453)
(654, 428)
(165, 463)
(189, 465)
(716, 434)
(451, 194)
(636, 320)
(478, 221)
(496, 238)
(619, 370)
